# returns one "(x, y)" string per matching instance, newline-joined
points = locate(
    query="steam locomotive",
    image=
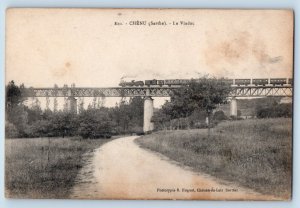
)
(131, 84)
(234, 82)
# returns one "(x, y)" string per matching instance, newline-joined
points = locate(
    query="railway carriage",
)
(242, 82)
(170, 82)
(238, 82)
(226, 81)
(184, 81)
(262, 82)
(160, 82)
(177, 81)
(277, 81)
(151, 82)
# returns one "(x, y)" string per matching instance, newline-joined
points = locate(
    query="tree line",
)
(93, 122)
(191, 106)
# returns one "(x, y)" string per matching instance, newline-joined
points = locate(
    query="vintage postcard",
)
(177, 104)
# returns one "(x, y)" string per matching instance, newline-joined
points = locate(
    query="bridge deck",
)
(157, 91)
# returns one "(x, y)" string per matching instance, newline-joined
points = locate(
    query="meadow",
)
(45, 167)
(255, 154)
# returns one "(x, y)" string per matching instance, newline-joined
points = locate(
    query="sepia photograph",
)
(173, 104)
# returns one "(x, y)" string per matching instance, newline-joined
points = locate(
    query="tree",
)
(80, 105)
(15, 110)
(34, 114)
(160, 118)
(10, 130)
(123, 116)
(55, 103)
(13, 95)
(275, 110)
(239, 113)
(136, 113)
(204, 93)
(95, 123)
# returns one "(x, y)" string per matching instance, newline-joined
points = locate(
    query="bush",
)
(137, 130)
(200, 125)
(275, 111)
(219, 116)
(10, 130)
(95, 124)
(180, 123)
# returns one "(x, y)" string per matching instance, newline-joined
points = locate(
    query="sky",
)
(85, 46)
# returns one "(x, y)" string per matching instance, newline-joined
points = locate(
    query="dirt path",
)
(121, 169)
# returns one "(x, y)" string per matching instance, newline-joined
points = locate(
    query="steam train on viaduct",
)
(233, 82)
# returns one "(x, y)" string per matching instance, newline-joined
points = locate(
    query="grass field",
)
(44, 168)
(253, 153)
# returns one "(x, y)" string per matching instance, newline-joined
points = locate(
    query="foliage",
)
(202, 95)
(33, 114)
(10, 130)
(239, 113)
(219, 116)
(15, 112)
(160, 119)
(94, 123)
(13, 95)
(19, 117)
(274, 111)
(128, 116)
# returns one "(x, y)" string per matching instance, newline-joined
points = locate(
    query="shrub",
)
(94, 123)
(10, 130)
(219, 116)
(276, 110)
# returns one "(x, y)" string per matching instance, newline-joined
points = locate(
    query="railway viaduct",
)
(148, 93)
